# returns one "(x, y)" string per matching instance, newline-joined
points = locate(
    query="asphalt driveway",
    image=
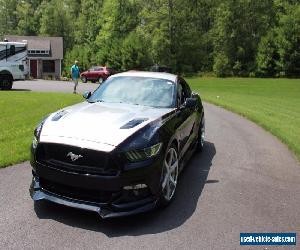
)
(53, 86)
(244, 181)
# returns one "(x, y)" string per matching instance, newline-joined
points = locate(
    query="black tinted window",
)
(12, 50)
(186, 89)
(183, 91)
(180, 94)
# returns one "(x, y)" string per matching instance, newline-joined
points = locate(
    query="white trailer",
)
(13, 63)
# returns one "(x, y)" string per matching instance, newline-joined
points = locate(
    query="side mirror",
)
(87, 95)
(190, 102)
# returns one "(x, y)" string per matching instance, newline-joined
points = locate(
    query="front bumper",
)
(83, 190)
(105, 210)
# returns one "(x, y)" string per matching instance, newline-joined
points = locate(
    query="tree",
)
(135, 53)
(267, 55)
(178, 33)
(89, 21)
(239, 25)
(28, 20)
(81, 53)
(56, 21)
(229, 37)
(8, 17)
(279, 51)
(119, 18)
(288, 41)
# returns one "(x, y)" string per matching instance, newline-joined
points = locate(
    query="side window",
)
(12, 50)
(180, 94)
(186, 89)
(183, 92)
(20, 49)
(2, 52)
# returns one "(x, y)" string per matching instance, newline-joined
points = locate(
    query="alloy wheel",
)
(84, 80)
(170, 174)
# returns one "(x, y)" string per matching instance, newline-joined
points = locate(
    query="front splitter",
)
(38, 194)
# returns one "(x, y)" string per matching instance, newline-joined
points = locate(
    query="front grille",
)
(88, 162)
(76, 193)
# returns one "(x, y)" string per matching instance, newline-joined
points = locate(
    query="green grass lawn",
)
(20, 113)
(273, 104)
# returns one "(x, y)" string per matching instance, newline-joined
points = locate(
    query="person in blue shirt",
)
(75, 73)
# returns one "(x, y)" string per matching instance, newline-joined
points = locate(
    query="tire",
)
(201, 135)
(6, 82)
(83, 79)
(169, 176)
(100, 80)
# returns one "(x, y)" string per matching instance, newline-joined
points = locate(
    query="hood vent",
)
(59, 115)
(133, 123)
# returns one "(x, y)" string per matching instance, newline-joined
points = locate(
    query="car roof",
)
(158, 75)
(13, 43)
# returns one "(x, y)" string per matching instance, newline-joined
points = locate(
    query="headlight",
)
(34, 142)
(143, 154)
(38, 130)
(37, 133)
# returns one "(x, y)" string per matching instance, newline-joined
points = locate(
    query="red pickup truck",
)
(96, 74)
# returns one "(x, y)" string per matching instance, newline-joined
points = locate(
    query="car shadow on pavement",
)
(190, 186)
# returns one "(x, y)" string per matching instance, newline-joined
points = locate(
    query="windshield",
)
(136, 90)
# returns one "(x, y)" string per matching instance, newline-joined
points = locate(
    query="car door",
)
(93, 73)
(98, 73)
(192, 128)
(89, 74)
(186, 116)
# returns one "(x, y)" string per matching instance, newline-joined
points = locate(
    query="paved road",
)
(53, 86)
(244, 181)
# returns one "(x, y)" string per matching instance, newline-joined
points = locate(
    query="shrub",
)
(221, 65)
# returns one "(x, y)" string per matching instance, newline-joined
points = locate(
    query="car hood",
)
(99, 126)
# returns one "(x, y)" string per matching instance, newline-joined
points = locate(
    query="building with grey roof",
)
(45, 55)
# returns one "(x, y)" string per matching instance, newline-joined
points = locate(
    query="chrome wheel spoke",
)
(166, 179)
(166, 166)
(171, 158)
(168, 190)
(173, 167)
(173, 181)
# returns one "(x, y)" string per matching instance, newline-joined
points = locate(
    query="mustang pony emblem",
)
(73, 156)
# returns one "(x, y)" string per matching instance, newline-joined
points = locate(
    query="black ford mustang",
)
(121, 151)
